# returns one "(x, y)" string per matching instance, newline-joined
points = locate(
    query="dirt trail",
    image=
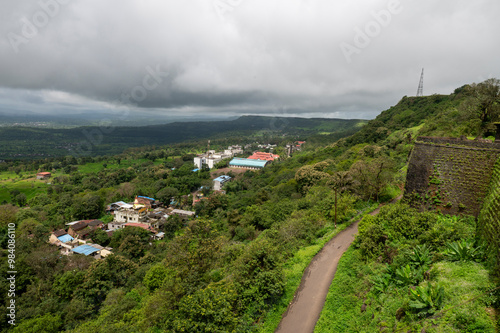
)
(304, 311)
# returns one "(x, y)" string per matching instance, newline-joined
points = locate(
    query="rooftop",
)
(222, 179)
(183, 212)
(65, 238)
(245, 162)
(139, 225)
(143, 197)
(121, 204)
(263, 156)
(85, 249)
(79, 225)
(59, 232)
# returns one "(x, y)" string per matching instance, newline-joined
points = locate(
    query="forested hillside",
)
(235, 266)
(29, 143)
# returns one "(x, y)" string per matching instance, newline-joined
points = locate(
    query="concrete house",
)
(130, 215)
(220, 181)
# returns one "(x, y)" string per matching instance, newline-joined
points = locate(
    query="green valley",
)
(230, 260)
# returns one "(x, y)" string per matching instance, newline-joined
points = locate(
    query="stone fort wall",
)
(450, 175)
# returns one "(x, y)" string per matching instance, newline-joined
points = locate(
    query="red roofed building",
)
(140, 225)
(263, 156)
(43, 175)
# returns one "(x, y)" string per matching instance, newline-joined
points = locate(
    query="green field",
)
(30, 187)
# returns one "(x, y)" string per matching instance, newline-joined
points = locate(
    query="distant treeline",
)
(33, 143)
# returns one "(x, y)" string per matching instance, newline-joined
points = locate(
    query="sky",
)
(309, 58)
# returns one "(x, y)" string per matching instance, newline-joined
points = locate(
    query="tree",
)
(166, 194)
(7, 214)
(372, 176)
(340, 181)
(28, 226)
(132, 247)
(104, 275)
(65, 284)
(208, 310)
(48, 323)
(131, 241)
(483, 103)
(88, 207)
(310, 175)
(20, 199)
(155, 276)
(100, 237)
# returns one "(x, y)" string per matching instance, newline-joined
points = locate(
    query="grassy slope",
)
(433, 115)
(462, 282)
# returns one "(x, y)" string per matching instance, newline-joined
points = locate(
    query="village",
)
(150, 214)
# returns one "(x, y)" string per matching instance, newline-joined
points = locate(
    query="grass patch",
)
(463, 310)
(29, 187)
(341, 312)
(112, 165)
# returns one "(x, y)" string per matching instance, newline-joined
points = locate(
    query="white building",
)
(182, 213)
(220, 181)
(211, 158)
(129, 215)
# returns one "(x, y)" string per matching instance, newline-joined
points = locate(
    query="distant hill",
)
(30, 142)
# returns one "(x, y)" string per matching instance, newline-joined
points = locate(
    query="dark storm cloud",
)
(220, 56)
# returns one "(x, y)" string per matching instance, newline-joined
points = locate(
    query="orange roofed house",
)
(263, 156)
(43, 175)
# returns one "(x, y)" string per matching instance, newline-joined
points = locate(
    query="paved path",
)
(305, 309)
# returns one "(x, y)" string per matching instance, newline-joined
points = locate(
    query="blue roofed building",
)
(87, 250)
(60, 236)
(65, 238)
(220, 181)
(247, 163)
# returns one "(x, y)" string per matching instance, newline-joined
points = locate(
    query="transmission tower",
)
(420, 90)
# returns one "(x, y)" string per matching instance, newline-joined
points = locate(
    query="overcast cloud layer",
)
(348, 59)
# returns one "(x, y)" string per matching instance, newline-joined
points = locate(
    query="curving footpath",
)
(305, 309)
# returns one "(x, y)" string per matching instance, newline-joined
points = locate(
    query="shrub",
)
(426, 300)
(372, 241)
(464, 250)
(421, 256)
(408, 276)
(381, 283)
